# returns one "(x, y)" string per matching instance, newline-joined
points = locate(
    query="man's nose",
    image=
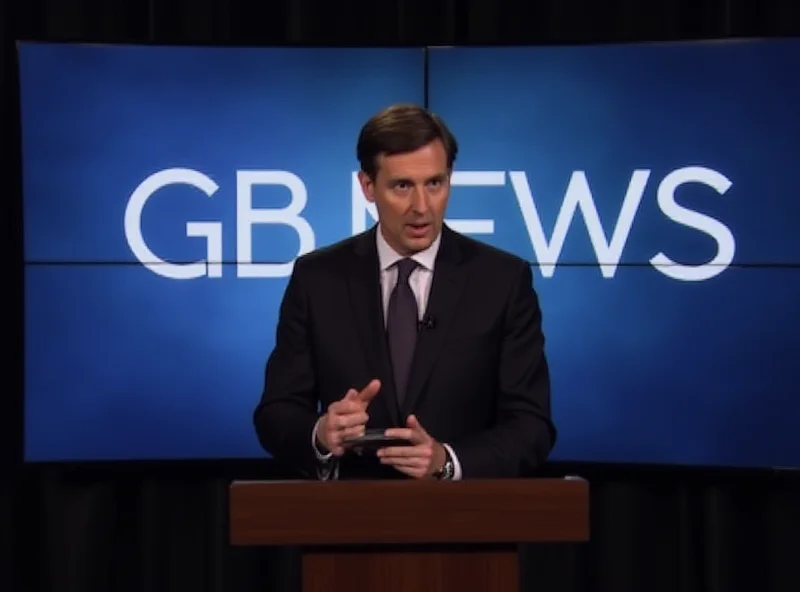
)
(419, 200)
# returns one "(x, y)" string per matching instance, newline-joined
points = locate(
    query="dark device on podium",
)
(401, 535)
(374, 440)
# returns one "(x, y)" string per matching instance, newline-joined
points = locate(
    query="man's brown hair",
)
(399, 129)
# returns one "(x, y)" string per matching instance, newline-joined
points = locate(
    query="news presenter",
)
(408, 327)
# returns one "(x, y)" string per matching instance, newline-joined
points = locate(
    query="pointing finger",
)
(369, 391)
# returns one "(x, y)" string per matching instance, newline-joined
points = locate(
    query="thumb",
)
(413, 423)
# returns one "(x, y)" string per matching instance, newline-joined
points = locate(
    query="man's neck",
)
(388, 254)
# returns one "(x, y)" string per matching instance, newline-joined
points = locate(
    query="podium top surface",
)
(407, 511)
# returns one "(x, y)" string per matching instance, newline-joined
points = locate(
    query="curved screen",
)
(655, 188)
(167, 191)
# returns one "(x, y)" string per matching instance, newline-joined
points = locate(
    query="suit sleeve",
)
(287, 412)
(523, 433)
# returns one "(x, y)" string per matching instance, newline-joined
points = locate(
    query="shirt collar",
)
(387, 256)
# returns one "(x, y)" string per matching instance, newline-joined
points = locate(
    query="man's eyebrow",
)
(436, 177)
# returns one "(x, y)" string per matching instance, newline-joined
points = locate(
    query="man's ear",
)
(367, 186)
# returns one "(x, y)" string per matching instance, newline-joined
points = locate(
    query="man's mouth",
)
(418, 229)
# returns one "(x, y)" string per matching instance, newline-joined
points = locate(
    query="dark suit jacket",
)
(479, 380)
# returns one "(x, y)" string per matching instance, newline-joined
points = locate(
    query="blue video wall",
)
(654, 184)
(168, 190)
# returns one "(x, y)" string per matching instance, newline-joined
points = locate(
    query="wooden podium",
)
(420, 536)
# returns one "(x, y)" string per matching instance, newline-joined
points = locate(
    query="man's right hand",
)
(345, 419)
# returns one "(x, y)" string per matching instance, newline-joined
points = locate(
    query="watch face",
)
(447, 470)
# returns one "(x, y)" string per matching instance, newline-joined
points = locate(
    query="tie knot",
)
(404, 269)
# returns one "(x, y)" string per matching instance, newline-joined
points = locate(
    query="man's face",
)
(410, 192)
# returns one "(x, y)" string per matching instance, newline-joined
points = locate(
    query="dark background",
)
(162, 527)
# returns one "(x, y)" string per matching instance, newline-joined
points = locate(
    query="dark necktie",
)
(402, 321)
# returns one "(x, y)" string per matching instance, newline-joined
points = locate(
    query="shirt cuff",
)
(456, 464)
(328, 468)
(320, 457)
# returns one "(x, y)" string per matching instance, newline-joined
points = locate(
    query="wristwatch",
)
(447, 470)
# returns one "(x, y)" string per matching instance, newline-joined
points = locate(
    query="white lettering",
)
(475, 179)
(360, 208)
(211, 231)
(579, 195)
(547, 251)
(247, 217)
(726, 244)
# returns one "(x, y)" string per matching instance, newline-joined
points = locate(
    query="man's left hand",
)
(421, 459)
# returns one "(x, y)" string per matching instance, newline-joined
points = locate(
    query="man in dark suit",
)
(408, 327)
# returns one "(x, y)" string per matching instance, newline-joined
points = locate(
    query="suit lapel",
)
(364, 285)
(449, 278)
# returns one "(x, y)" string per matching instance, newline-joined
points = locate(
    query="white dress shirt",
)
(420, 281)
